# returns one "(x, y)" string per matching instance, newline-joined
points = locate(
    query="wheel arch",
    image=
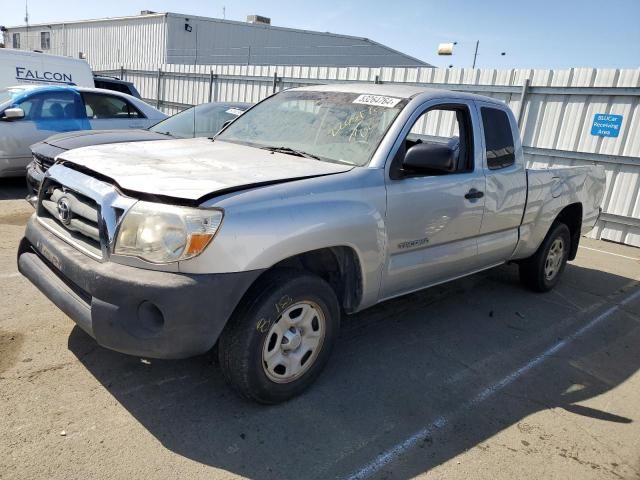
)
(339, 266)
(571, 216)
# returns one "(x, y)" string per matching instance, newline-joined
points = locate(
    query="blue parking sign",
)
(605, 125)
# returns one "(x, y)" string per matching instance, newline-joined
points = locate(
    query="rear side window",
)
(99, 106)
(498, 138)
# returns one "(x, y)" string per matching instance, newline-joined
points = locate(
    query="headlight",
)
(161, 233)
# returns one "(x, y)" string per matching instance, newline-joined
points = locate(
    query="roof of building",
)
(88, 20)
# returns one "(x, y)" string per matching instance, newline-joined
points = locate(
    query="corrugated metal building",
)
(160, 38)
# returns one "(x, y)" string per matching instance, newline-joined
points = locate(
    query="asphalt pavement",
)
(478, 378)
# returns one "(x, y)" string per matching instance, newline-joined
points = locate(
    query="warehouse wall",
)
(216, 41)
(122, 40)
(556, 112)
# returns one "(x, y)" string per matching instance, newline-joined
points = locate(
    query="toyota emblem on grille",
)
(64, 210)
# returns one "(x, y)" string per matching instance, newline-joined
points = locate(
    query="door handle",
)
(473, 194)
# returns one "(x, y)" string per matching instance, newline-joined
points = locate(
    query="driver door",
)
(434, 219)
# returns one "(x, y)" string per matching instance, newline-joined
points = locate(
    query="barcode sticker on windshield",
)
(378, 100)
(235, 111)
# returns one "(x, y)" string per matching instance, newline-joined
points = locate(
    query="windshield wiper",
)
(291, 151)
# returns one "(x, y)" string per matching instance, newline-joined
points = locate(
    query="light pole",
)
(26, 21)
(475, 54)
(446, 49)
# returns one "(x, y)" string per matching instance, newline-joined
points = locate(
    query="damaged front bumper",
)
(132, 310)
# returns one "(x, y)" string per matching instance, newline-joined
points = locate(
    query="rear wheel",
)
(279, 340)
(542, 271)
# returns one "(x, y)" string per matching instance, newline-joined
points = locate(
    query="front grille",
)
(73, 216)
(43, 161)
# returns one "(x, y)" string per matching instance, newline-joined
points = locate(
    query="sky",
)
(533, 34)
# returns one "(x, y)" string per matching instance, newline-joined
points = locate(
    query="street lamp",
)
(446, 49)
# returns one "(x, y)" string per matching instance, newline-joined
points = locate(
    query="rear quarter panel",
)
(551, 190)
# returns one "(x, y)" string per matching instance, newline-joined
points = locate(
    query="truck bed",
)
(552, 189)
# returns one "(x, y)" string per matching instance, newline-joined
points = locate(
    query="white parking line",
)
(399, 449)
(609, 253)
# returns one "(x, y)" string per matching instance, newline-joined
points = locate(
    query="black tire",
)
(243, 339)
(533, 273)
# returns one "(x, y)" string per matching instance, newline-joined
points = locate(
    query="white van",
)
(19, 67)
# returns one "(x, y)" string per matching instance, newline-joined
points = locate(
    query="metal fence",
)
(555, 111)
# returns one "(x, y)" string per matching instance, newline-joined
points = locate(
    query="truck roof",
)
(395, 90)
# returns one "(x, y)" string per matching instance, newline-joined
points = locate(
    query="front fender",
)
(264, 226)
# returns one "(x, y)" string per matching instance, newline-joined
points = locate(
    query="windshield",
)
(333, 126)
(8, 94)
(202, 121)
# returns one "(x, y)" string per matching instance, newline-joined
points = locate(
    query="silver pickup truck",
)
(318, 201)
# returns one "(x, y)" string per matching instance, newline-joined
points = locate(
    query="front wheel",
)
(280, 338)
(542, 271)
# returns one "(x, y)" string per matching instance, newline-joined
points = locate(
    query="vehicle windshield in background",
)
(8, 94)
(207, 119)
(331, 126)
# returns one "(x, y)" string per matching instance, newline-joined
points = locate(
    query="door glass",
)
(435, 126)
(58, 107)
(27, 106)
(101, 106)
(51, 106)
(447, 125)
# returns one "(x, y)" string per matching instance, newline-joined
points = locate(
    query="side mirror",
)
(429, 158)
(13, 114)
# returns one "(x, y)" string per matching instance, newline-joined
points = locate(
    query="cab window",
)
(498, 138)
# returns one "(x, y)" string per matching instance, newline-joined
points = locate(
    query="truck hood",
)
(194, 168)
